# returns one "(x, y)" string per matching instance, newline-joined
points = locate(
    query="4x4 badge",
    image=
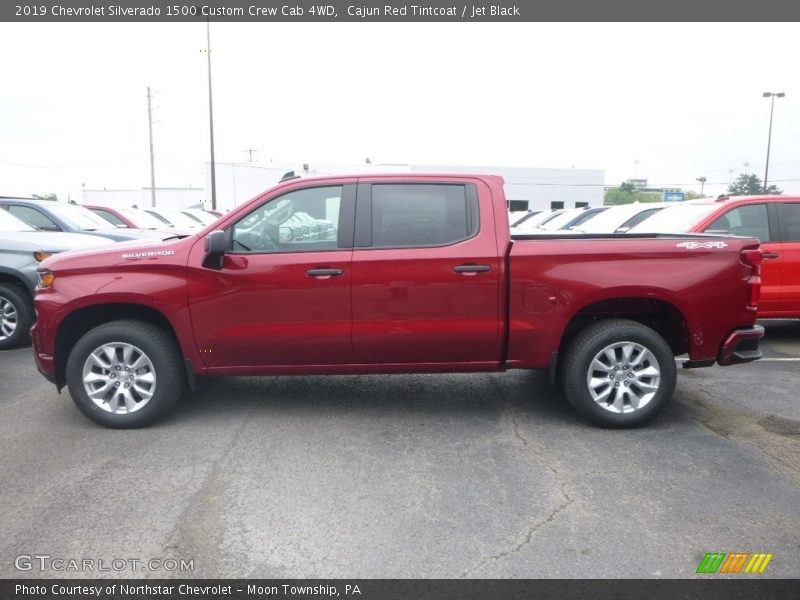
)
(696, 245)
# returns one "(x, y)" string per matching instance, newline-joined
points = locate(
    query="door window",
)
(305, 220)
(749, 220)
(422, 215)
(33, 217)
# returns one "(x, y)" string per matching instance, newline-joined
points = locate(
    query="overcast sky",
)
(684, 100)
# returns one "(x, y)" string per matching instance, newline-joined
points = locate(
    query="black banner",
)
(392, 10)
(397, 589)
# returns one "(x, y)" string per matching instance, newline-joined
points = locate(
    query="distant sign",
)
(674, 196)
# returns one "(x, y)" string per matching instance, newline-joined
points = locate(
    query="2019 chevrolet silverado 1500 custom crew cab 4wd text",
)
(401, 273)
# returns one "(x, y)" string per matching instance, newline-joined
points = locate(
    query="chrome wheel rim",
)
(623, 377)
(9, 319)
(119, 378)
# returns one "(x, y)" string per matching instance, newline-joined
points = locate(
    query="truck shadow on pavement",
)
(528, 394)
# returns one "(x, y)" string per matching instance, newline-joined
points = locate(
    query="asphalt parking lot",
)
(406, 476)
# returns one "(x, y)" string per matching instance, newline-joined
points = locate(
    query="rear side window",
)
(419, 215)
(750, 220)
(789, 215)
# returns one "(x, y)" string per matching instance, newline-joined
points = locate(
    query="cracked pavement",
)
(435, 476)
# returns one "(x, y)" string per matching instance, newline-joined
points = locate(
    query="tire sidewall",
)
(154, 343)
(25, 316)
(581, 356)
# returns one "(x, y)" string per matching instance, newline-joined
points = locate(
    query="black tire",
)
(635, 393)
(16, 316)
(147, 401)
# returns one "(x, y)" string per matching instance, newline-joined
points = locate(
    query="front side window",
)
(33, 217)
(303, 220)
(419, 215)
(750, 220)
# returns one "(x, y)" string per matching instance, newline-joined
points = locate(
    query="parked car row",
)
(32, 230)
(22, 248)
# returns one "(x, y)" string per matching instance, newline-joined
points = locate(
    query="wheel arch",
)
(16, 280)
(662, 316)
(78, 323)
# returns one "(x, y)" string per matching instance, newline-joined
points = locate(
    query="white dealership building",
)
(236, 183)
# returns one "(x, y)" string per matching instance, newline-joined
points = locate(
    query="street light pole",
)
(772, 97)
(702, 181)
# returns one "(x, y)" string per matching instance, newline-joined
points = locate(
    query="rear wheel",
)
(125, 374)
(16, 316)
(619, 373)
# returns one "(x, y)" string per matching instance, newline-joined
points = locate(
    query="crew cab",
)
(417, 273)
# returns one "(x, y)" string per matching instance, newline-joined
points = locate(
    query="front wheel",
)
(125, 374)
(618, 373)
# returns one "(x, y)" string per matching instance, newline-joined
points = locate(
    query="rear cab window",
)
(417, 215)
(789, 218)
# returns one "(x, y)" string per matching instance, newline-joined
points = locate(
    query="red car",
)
(775, 220)
(416, 274)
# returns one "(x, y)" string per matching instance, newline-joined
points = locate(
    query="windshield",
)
(615, 217)
(534, 221)
(675, 219)
(202, 216)
(559, 221)
(11, 223)
(176, 218)
(140, 218)
(78, 217)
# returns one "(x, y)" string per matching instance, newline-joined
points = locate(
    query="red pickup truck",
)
(393, 273)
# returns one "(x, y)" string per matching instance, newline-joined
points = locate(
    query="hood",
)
(112, 253)
(49, 241)
(123, 234)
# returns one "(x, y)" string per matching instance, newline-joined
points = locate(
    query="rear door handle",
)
(472, 269)
(770, 255)
(325, 272)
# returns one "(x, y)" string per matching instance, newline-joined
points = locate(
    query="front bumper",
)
(45, 363)
(741, 346)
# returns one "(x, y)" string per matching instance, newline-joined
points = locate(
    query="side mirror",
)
(216, 244)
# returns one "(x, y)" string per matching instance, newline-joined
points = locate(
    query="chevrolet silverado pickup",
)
(400, 273)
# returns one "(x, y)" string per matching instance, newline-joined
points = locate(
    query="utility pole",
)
(250, 152)
(152, 156)
(211, 119)
(772, 97)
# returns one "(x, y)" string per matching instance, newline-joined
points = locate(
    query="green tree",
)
(615, 196)
(50, 197)
(748, 184)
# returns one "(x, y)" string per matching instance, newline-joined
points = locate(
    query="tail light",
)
(752, 258)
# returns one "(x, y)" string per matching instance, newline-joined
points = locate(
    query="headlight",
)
(45, 279)
(40, 256)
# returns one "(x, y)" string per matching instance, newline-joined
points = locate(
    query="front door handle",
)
(325, 272)
(472, 269)
(770, 255)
